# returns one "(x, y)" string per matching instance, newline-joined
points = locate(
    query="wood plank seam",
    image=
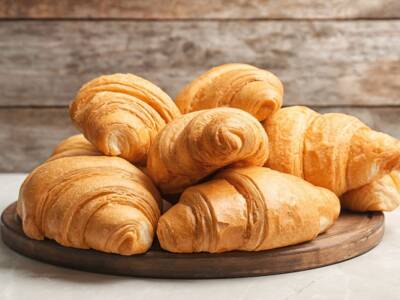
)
(215, 9)
(300, 104)
(54, 19)
(320, 63)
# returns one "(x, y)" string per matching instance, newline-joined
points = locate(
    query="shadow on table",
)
(22, 266)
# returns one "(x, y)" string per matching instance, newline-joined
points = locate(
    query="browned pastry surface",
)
(254, 90)
(335, 151)
(199, 143)
(380, 195)
(76, 145)
(98, 202)
(121, 114)
(248, 209)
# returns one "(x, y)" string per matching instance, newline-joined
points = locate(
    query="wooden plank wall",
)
(332, 55)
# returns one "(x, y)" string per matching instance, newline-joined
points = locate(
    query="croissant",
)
(98, 202)
(333, 150)
(248, 209)
(121, 114)
(198, 143)
(75, 145)
(379, 195)
(256, 91)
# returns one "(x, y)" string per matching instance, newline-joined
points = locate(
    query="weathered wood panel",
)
(27, 135)
(321, 63)
(199, 9)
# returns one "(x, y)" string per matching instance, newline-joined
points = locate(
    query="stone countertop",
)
(374, 275)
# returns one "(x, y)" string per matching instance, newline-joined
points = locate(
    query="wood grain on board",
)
(321, 63)
(200, 9)
(351, 235)
(28, 135)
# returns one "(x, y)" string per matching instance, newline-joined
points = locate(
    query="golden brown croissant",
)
(98, 202)
(256, 91)
(335, 151)
(379, 195)
(75, 145)
(248, 209)
(197, 144)
(121, 114)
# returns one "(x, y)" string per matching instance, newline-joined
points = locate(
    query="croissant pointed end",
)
(389, 158)
(31, 230)
(373, 154)
(390, 152)
(114, 146)
(137, 239)
(265, 99)
(134, 243)
(176, 230)
(127, 246)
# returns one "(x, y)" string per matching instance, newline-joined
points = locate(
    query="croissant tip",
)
(165, 235)
(127, 246)
(175, 230)
(114, 145)
(136, 241)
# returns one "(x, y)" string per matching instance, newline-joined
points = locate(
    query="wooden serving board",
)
(353, 234)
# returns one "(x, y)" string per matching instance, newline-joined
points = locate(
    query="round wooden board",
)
(352, 235)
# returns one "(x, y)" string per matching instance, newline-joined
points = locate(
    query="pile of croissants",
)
(242, 172)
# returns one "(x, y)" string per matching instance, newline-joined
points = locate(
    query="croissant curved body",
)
(98, 202)
(121, 114)
(75, 145)
(199, 143)
(254, 90)
(335, 151)
(248, 209)
(379, 195)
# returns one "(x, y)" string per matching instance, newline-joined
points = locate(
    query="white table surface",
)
(374, 275)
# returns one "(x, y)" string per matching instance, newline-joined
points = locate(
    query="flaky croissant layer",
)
(380, 195)
(121, 114)
(254, 90)
(248, 209)
(333, 150)
(97, 202)
(76, 145)
(199, 143)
